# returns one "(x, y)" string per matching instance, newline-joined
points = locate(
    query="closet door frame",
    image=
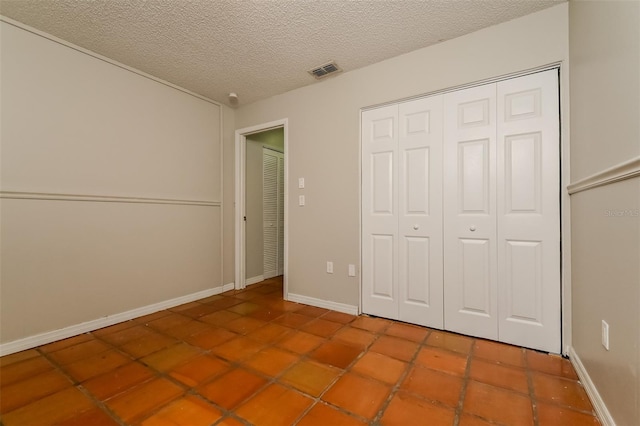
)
(240, 210)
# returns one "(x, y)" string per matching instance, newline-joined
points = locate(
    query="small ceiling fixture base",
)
(324, 70)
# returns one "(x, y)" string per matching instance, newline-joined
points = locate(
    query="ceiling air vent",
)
(324, 70)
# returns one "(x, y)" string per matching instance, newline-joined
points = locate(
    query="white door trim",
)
(240, 150)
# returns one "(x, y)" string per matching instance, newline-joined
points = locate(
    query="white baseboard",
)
(74, 330)
(598, 404)
(227, 287)
(326, 304)
(254, 280)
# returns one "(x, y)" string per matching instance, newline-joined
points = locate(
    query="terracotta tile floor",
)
(249, 357)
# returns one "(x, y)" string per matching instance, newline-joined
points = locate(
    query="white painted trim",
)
(598, 404)
(85, 327)
(327, 304)
(254, 280)
(565, 208)
(228, 287)
(240, 212)
(623, 171)
(240, 149)
(17, 195)
(221, 165)
(103, 58)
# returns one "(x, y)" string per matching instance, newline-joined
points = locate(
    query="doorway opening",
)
(261, 204)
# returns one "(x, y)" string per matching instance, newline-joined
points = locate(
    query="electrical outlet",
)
(352, 270)
(605, 334)
(301, 200)
(301, 183)
(329, 267)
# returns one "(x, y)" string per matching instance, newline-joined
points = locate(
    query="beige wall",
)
(76, 125)
(324, 135)
(605, 131)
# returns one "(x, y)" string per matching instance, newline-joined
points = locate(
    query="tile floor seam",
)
(270, 380)
(465, 382)
(157, 373)
(532, 391)
(318, 399)
(194, 392)
(224, 412)
(410, 365)
(340, 375)
(78, 385)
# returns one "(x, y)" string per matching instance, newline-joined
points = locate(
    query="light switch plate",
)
(329, 267)
(301, 200)
(352, 270)
(301, 183)
(605, 334)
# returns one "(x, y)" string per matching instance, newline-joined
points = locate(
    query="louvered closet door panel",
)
(380, 212)
(270, 212)
(281, 214)
(529, 211)
(470, 266)
(420, 207)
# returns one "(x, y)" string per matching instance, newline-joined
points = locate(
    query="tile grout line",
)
(271, 379)
(396, 387)
(318, 399)
(78, 385)
(157, 373)
(532, 394)
(465, 383)
(233, 364)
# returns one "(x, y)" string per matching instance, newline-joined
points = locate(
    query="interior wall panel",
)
(110, 188)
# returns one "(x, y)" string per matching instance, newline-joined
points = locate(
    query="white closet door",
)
(470, 253)
(529, 211)
(270, 211)
(379, 212)
(420, 212)
(281, 215)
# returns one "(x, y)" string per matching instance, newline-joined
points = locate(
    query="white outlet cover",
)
(301, 200)
(329, 267)
(301, 183)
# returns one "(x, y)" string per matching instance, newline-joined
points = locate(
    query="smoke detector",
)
(325, 70)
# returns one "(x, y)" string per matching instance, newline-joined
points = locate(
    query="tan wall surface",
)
(324, 135)
(605, 131)
(74, 124)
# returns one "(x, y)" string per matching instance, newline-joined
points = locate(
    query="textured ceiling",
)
(257, 48)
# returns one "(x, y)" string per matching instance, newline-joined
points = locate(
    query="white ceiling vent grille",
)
(324, 70)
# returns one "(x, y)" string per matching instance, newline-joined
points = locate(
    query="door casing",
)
(240, 190)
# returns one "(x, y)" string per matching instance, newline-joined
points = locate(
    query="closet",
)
(461, 211)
